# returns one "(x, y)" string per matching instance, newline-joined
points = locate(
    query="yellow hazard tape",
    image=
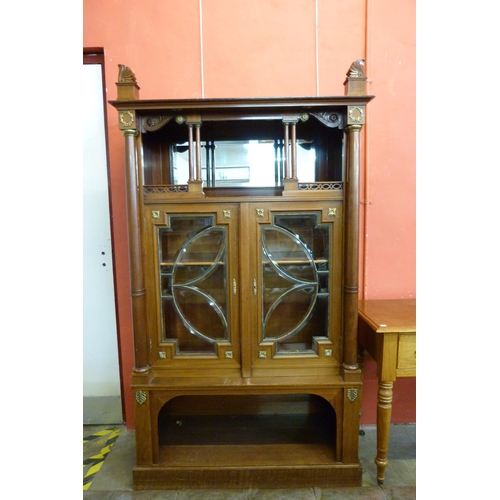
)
(97, 460)
(97, 435)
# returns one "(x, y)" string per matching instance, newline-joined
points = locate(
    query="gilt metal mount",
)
(352, 394)
(140, 397)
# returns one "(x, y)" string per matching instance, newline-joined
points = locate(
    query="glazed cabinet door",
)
(194, 282)
(296, 280)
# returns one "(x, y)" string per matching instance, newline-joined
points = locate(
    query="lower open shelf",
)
(251, 442)
(248, 455)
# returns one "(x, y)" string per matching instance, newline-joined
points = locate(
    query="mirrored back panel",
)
(243, 153)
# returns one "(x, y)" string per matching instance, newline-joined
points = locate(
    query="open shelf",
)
(247, 455)
(247, 431)
(247, 442)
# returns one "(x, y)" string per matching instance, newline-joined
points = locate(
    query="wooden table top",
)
(389, 316)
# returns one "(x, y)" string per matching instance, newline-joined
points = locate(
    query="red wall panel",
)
(222, 48)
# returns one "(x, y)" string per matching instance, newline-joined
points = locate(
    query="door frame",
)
(95, 55)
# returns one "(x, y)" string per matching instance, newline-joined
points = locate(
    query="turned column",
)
(195, 182)
(355, 85)
(351, 287)
(137, 286)
(290, 120)
(286, 140)
(128, 90)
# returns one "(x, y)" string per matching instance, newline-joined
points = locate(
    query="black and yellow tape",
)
(97, 460)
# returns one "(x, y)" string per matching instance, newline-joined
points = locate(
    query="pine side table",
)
(387, 330)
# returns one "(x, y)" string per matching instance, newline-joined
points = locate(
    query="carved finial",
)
(355, 83)
(357, 69)
(125, 75)
(127, 87)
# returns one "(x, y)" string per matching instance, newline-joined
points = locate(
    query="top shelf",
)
(354, 85)
(256, 104)
(182, 141)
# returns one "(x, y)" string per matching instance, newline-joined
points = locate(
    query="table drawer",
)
(407, 352)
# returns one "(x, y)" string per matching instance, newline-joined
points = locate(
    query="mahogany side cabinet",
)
(243, 245)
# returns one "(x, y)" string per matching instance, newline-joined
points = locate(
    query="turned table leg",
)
(384, 409)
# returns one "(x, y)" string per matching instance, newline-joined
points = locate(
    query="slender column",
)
(190, 152)
(282, 161)
(290, 181)
(287, 151)
(198, 152)
(294, 150)
(195, 183)
(137, 288)
(352, 251)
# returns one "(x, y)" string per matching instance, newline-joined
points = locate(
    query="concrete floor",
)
(109, 457)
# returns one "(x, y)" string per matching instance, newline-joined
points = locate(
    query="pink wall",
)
(390, 192)
(247, 48)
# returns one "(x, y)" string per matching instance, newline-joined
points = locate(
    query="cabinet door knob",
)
(234, 287)
(255, 286)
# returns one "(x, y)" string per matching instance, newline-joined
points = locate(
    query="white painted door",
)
(101, 376)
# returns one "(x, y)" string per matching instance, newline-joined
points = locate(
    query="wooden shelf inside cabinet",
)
(258, 455)
(244, 290)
